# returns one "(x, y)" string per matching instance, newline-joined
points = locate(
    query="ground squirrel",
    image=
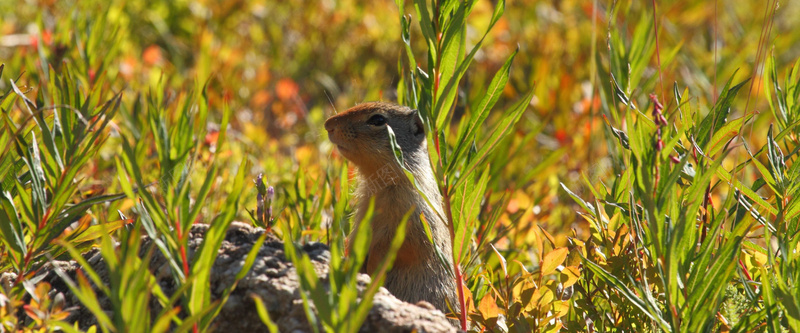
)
(361, 136)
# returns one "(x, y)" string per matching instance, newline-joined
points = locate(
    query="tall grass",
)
(457, 163)
(678, 237)
(122, 119)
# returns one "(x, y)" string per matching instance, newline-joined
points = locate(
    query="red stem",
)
(179, 232)
(456, 268)
(744, 270)
(445, 190)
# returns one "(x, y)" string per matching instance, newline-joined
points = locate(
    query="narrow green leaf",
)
(716, 118)
(200, 294)
(481, 112)
(585, 205)
(725, 134)
(10, 226)
(379, 276)
(653, 313)
(264, 315)
(505, 126)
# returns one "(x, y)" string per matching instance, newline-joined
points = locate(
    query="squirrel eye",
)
(377, 120)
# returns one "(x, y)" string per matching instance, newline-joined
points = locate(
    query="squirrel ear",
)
(417, 127)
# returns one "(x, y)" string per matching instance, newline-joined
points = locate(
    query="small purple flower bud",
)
(270, 194)
(659, 145)
(657, 107)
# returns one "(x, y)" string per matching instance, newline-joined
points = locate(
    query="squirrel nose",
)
(329, 125)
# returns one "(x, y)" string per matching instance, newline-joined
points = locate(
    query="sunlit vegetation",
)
(605, 165)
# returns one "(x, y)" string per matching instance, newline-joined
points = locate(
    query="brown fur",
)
(417, 274)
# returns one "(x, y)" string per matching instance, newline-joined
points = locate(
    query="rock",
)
(272, 277)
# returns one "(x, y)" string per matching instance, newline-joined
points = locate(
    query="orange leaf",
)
(32, 312)
(286, 89)
(152, 55)
(488, 307)
(468, 299)
(547, 235)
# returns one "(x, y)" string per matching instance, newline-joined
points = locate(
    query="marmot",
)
(361, 136)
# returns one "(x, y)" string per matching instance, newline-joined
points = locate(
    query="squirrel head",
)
(361, 133)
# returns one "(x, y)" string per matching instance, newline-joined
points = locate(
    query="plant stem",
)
(456, 268)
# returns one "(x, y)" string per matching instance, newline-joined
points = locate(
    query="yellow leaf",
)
(59, 315)
(501, 259)
(560, 308)
(758, 259)
(552, 260)
(555, 328)
(523, 292)
(547, 296)
(531, 303)
(570, 276)
(574, 257)
(522, 268)
(538, 243)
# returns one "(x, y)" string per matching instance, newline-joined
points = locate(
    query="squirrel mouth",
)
(341, 147)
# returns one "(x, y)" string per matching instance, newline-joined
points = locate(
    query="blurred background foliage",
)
(283, 67)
